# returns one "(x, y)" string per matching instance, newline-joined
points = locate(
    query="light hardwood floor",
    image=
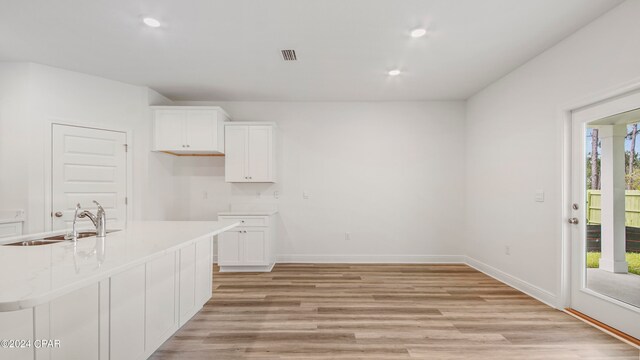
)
(313, 311)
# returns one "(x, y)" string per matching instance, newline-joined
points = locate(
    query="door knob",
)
(58, 214)
(573, 221)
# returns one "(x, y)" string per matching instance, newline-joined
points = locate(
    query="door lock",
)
(58, 214)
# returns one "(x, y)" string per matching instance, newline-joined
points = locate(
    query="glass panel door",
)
(605, 222)
(613, 250)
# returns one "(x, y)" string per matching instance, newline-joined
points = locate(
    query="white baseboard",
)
(266, 268)
(372, 259)
(527, 288)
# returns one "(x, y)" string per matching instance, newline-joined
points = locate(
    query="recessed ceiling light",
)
(416, 33)
(394, 72)
(151, 22)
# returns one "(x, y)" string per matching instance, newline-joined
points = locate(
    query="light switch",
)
(540, 195)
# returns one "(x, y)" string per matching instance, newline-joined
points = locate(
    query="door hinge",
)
(126, 147)
(126, 200)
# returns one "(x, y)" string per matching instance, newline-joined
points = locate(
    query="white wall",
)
(68, 97)
(514, 145)
(14, 87)
(391, 174)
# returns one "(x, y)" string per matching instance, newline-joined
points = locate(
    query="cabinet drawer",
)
(248, 221)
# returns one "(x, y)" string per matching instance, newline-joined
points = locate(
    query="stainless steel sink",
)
(53, 239)
(82, 234)
(34, 242)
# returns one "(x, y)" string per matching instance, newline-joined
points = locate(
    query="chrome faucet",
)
(99, 220)
(74, 233)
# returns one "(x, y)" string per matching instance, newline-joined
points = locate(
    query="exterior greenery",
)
(633, 259)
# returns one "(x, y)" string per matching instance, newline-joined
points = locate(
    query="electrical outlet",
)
(347, 236)
(507, 250)
(306, 195)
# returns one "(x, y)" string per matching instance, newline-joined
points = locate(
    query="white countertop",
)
(248, 213)
(33, 275)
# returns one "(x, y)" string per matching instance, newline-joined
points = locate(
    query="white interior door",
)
(603, 292)
(86, 165)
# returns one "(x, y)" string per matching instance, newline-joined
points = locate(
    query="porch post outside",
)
(613, 239)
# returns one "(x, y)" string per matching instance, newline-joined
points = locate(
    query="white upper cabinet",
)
(250, 152)
(189, 129)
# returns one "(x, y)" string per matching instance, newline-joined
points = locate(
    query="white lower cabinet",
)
(161, 299)
(255, 247)
(230, 245)
(249, 247)
(195, 278)
(204, 272)
(127, 316)
(73, 319)
(187, 283)
(21, 328)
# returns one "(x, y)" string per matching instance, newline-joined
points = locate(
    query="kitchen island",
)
(118, 297)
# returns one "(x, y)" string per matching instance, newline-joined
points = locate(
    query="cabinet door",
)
(187, 283)
(169, 130)
(17, 325)
(10, 229)
(204, 271)
(260, 153)
(126, 319)
(160, 302)
(74, 321)
(236, 146)
(230, 247)
(255, 247)
(202, 130)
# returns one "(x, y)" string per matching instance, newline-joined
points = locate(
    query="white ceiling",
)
(230, 49)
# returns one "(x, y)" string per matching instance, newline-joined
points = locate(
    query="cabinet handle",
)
(188, 145)
(242, 221)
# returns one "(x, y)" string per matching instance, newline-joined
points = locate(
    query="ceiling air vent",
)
(289, 55)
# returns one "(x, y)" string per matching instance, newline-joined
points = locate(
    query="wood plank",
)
(394, 311)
